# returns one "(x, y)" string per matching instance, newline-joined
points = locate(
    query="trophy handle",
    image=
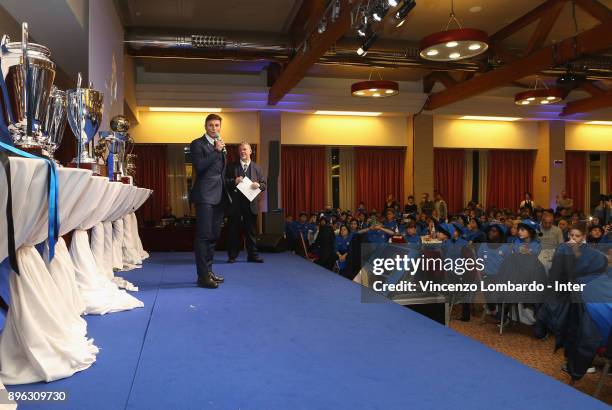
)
(25, 67)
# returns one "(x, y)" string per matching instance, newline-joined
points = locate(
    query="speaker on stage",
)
(273, 222)
(271, 243)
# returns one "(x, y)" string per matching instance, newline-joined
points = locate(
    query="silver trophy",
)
(116, 144)
(84, 116)
(28, 72)
(55, 121)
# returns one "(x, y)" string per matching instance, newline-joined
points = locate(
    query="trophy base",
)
(96, 169)
(34, 150)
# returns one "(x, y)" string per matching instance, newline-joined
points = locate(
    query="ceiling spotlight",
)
(392, 3)
(400, 15)
(570, 79)
(362, 30)
(363, 50)
(335, 12)
(454, 56)
(322, 26)
(380, 11)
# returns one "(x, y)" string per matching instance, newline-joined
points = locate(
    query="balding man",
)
(243, 214)
(552, 235)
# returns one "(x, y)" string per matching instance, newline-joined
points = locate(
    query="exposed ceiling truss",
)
(534, 58)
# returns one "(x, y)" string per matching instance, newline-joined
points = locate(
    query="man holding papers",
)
(248, 181)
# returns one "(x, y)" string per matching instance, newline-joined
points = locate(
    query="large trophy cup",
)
(84, 116)
(28, 72)
(55, 121)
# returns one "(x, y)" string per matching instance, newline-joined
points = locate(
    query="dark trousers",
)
(208, 227)
(241, 219)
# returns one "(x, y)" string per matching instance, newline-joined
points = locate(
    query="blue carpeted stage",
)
(287, 334)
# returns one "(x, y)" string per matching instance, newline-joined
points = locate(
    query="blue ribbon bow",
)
(53, 195)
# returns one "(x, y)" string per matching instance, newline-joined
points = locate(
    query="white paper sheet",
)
(245, 188)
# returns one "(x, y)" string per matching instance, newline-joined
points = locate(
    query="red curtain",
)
(379, 172)
(575, 177)
(609, 173)
(510, 176)
(151, 173)
(303, 179)
(448, 177)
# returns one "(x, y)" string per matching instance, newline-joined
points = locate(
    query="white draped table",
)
(100, 294)
(44, 337)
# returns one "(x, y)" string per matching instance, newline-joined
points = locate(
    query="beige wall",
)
(541, 189)
(455, 133)
(423, 174)
(310, 129)
(176, 127)
(586, 137)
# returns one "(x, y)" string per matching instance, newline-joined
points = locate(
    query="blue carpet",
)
(287, 334)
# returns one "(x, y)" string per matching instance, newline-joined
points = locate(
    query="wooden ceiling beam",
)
(592, 41)
(437, 76)
(591, 88)
(306, 19)
(318, 44)
(545, 25)
(595, 9)
(524, 21)
(603, 100)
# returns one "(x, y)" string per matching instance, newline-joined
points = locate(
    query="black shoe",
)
(207, 282)
(231, 260)
(217, 278)
(255, 259)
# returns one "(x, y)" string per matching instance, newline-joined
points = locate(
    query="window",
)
(335, 177)
(594, 182)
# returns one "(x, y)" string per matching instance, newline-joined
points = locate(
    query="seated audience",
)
(410, 207)
(527, 240)
(426, 206)
(563, 202)
(342, 248)
(552, 236)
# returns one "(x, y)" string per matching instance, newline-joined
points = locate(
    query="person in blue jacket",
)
(527, 240)
(474, 234)
(390, 222)
(342, 248)
(411, 235)
(493, 252)
(377, 233)
(454, 247)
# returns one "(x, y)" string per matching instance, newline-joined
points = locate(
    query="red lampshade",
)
(451, 45)
(375, 89)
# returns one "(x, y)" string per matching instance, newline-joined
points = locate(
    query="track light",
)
(380, 11)
(392, 3)
(335, 12)
(400, 15)
(363, 50)
(362, 30)
(322, 26)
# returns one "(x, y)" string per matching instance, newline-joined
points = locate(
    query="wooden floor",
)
(518, 343)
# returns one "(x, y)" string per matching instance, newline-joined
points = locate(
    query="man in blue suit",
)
(210, 196)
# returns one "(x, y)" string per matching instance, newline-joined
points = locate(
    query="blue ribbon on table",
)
(53, 195)
(110, 164)
(5, 136)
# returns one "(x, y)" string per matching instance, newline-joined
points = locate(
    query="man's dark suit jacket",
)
(208, 169)
(255, 173)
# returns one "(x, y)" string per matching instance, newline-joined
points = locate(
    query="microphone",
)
(218, 137)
